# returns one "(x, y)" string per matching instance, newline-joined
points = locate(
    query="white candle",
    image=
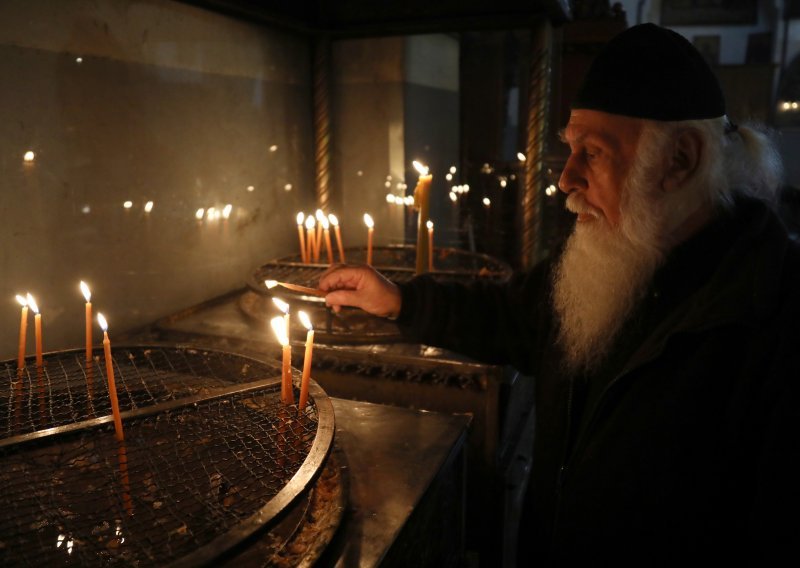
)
(279, 328)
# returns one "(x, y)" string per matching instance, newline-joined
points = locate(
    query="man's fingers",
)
(339, 298)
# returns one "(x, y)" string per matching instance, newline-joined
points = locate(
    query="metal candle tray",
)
(213, 456)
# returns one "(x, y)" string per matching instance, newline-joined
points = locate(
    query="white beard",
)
(604, 270)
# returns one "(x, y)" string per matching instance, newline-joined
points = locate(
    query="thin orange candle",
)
(23, 333)
(119, 433)
(335, 222)
(430, 245)
(370, 229)
(326, 231)
(310, 223)
(306, 321)
(422, 203)
(87, 294)
(279, 327)
(37, 326)
(319, 216)
(301, 237)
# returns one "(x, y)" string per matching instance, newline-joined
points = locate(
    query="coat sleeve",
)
(491, 322)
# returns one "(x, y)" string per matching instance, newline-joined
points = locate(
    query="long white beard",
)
(604, 271)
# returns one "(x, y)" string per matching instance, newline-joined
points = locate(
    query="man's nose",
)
(572, 178)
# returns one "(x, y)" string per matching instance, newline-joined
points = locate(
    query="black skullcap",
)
(651, 72)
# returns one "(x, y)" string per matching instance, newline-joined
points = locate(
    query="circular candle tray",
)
(211, 457)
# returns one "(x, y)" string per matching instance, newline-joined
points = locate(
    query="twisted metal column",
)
(539, 82)
(322, 122)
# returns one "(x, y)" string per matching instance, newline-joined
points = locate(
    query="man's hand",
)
(360, 286)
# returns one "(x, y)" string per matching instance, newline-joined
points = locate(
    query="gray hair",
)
(741, 160)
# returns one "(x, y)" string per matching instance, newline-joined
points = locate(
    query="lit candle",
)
(23, 334)
(319, 215)
(310, 222)
(286, 388)
(112, 395)
(306, 360)
(430, 245)
(279, 327)
(422, 202)
(335, 222)
(37, 325)
(370, 229)
(88, 321)
(300, 217)
(327, 233)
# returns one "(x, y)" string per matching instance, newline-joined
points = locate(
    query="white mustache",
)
(576, 203)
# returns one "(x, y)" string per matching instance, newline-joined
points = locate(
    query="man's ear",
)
(686, 155)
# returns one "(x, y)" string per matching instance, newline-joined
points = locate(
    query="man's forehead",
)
(600, 127)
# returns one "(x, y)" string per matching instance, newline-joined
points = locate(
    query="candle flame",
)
(390, 198)
(333, 219)
(22, 301)
(226, 211)
(310, 222)
(101, 319)
(453, 197)
(270, 284)
(429, 224)
(300, 218)
(86, 292)
(521, 156)
(32, 303)
(319, 215)
(200, 213)
(148, 207)
(279, 327)
(282, 306)
(325, 223)
(305, 320)
(368, 220)
(487, 202)
(422, 169)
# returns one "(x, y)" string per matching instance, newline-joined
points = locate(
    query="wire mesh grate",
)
(208, 445)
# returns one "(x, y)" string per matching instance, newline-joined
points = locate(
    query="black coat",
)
(690, 449)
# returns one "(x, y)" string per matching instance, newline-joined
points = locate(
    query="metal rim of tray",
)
(262, 518)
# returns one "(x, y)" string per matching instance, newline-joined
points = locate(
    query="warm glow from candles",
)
(325, 223)
(521, 156)
(270, 284)
(85, 291)
(148, 207)
(279, 327)
(32, 303)
(368, 221)
(102, 321)
(453, 197)
(300, 218)
(29, 156)
(22, 301)
(319, 215)
(334, 221)
(282, 306)
(487, 202)
(422, 169)
(226, 211)
(429, 224)
(199, 214)
(310, 222)
(305, 320)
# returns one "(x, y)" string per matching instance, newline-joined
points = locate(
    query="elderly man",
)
(663, 339)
